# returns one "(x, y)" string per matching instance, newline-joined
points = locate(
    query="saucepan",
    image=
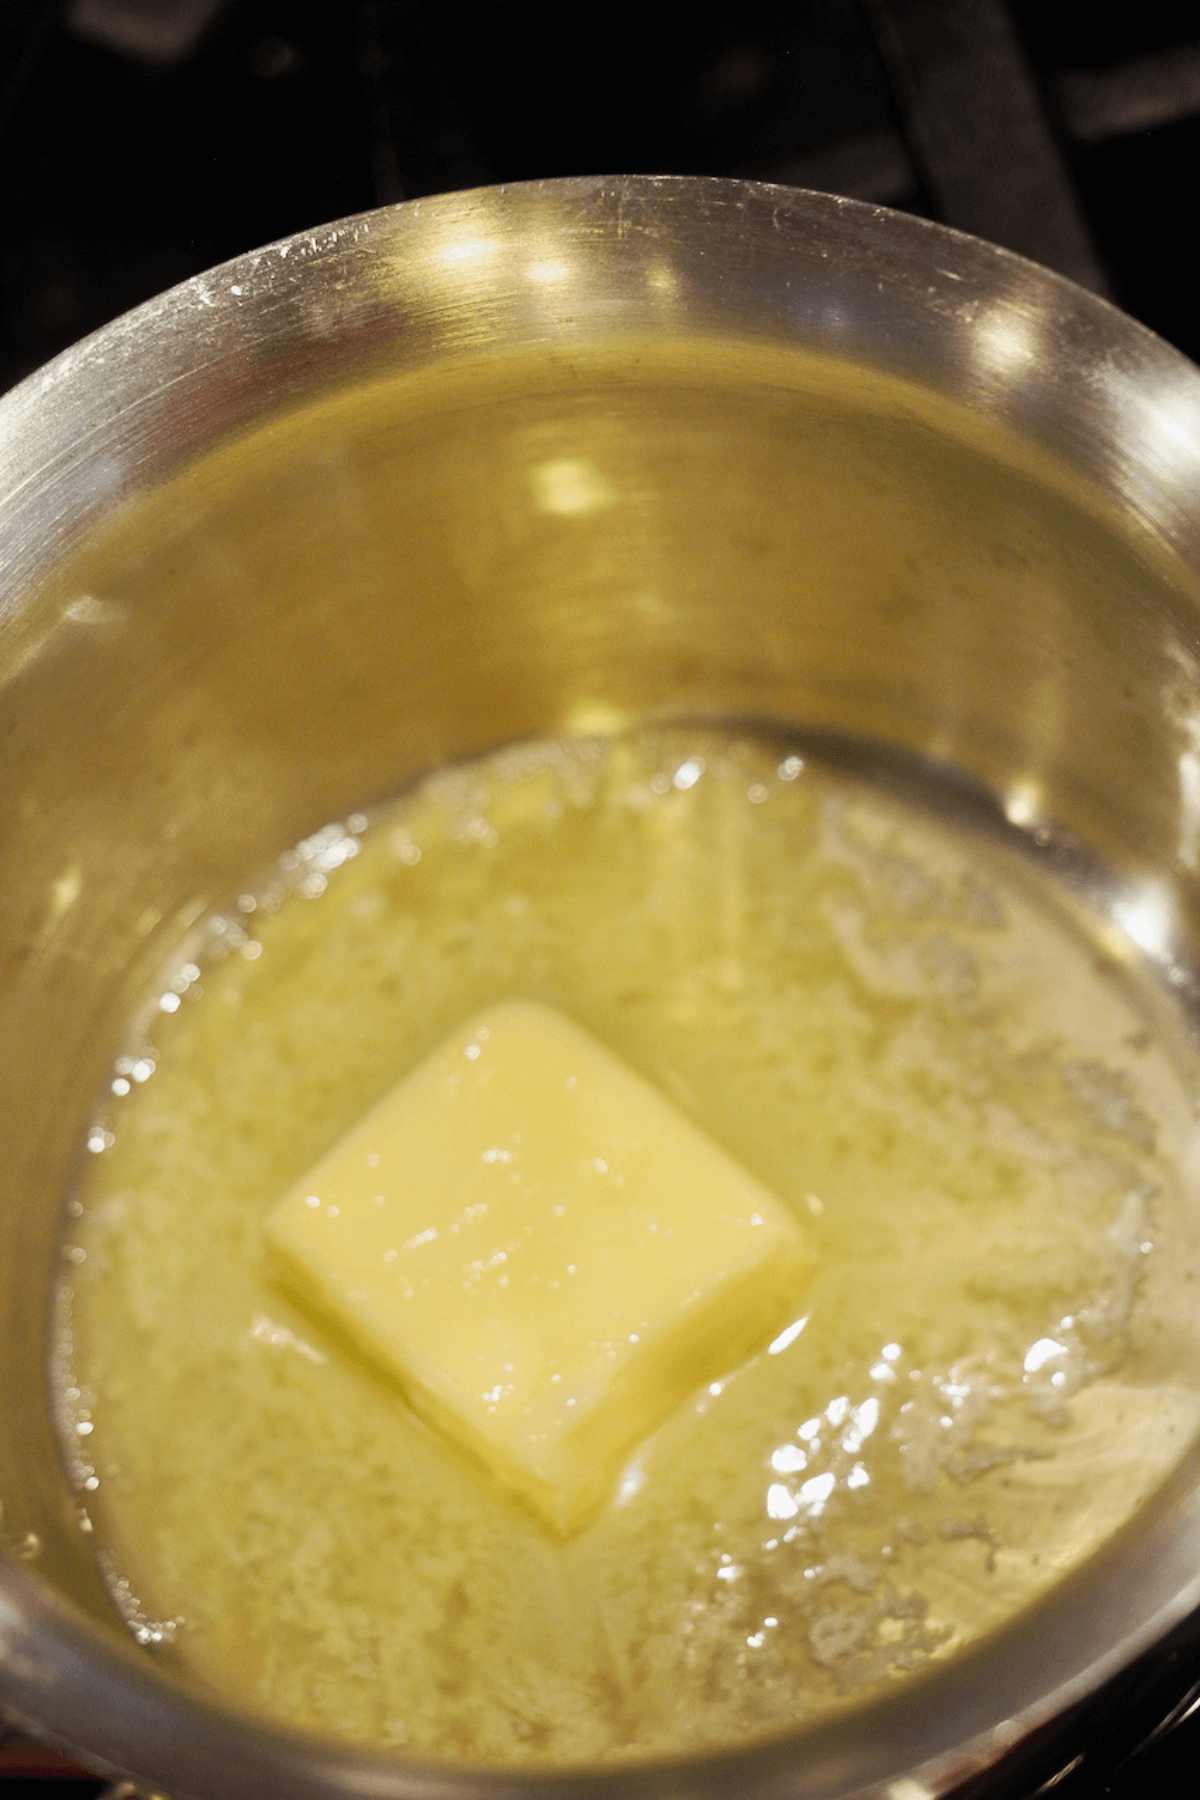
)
(269, 554)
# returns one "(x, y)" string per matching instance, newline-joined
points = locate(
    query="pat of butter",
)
(542, 1249)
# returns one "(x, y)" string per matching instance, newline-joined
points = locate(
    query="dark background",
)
(144, 140)
(141, 141)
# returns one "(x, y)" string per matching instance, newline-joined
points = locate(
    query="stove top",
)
(142, 141)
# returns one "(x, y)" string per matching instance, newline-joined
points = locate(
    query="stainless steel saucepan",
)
(269, 549)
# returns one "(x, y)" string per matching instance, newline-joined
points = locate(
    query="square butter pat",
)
(542, 1249)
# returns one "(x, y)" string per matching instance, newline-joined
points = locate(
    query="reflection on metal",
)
(51, 633)
(1007, 341)
(1146, 914)
(907, 1789)
(975, 121)
(594, 718)
(464, 251)
(1189, 808)
(571, 487)
(1182, 708)
(1023, 802)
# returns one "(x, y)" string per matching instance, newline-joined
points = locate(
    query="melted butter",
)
(888, 1026)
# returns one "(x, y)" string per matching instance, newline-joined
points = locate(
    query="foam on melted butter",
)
(891, 1029)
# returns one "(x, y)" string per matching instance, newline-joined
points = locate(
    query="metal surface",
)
(866, 477)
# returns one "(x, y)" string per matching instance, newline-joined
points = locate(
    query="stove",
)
(142, 141)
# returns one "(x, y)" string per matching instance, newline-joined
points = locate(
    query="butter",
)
(543, 1251)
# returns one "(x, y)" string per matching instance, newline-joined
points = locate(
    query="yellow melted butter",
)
(895, 1031)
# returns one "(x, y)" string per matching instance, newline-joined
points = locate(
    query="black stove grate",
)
(144, 140)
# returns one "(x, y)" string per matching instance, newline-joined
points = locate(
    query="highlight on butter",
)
(542, 1249)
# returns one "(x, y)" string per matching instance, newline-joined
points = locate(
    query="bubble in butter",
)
(543, 1249)
(947, 1075)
